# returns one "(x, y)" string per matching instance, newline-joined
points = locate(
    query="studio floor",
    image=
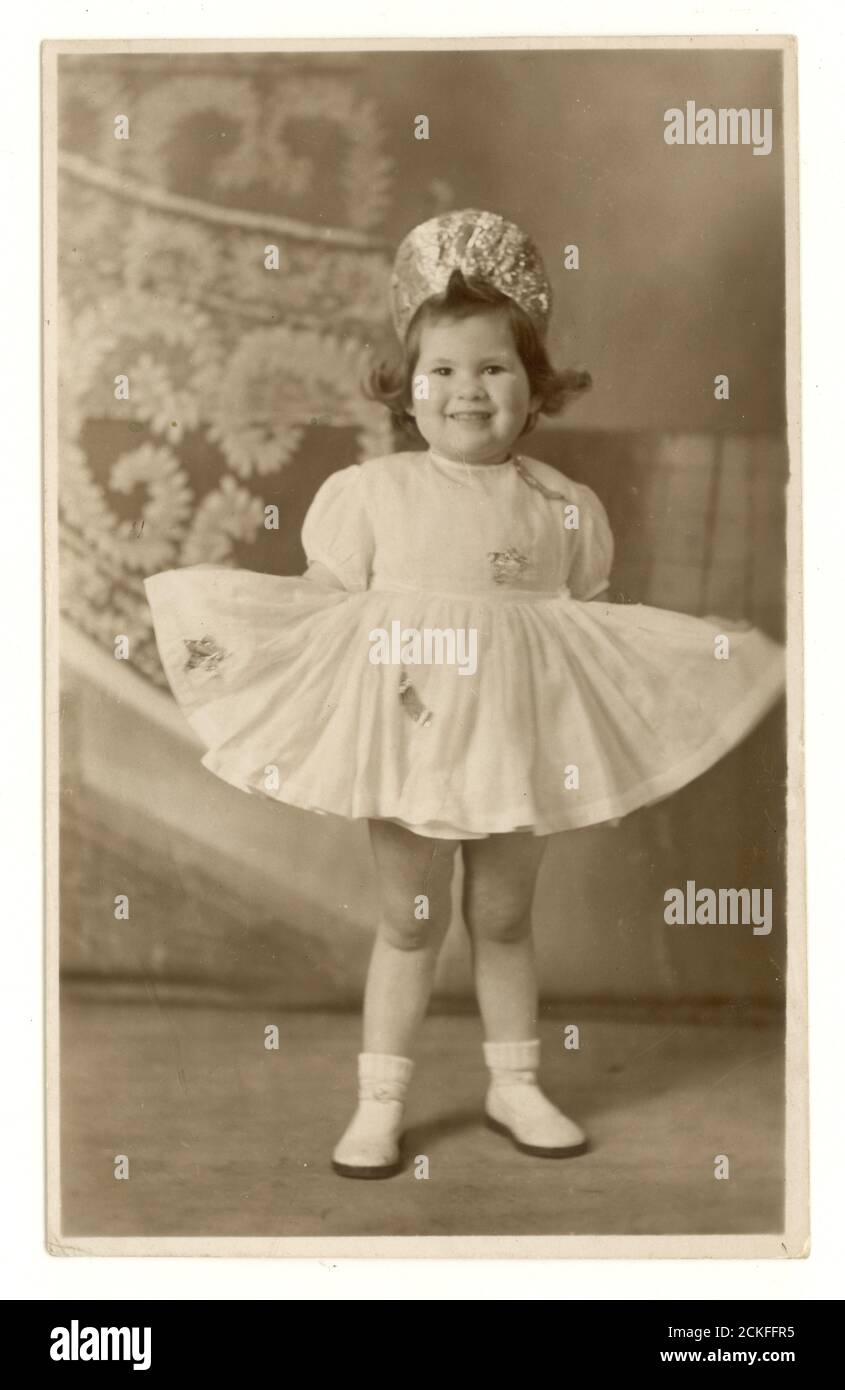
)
(225, 1137)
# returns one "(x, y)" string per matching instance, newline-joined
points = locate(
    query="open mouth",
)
(470, 415)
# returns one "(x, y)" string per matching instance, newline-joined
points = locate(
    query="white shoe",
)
(371, 1144)
(516, 1107)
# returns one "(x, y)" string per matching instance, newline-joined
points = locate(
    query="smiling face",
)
(479, 396)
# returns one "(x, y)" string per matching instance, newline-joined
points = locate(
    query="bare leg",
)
(500, 875)
(404, 957)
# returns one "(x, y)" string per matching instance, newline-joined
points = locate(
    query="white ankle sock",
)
(383, 1076)
(512, 1063)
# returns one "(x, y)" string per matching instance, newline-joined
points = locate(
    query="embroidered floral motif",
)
(203, 651)
(507, 564)
(411, 702)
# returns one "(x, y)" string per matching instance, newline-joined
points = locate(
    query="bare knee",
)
(415, 915)
(410, 936)
(499, 878)
(415, 886)
(489, 920)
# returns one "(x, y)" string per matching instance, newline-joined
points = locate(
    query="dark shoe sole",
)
(385, 1170)
(535, 1149)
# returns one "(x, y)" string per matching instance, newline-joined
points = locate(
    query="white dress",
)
(571, 713)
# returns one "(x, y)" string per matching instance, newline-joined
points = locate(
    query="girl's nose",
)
(470, 388)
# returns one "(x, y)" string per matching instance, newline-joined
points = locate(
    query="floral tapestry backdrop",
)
(163, 244)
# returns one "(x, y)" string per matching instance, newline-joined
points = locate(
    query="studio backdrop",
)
(245, 394)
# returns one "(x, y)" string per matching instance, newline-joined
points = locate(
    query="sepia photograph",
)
(422, 521)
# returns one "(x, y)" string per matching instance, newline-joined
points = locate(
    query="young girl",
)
(447, 669)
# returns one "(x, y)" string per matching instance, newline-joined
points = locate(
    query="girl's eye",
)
(491, 367)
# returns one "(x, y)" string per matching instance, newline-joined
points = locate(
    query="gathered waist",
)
(384, 586)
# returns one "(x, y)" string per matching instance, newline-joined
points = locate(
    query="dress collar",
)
(476, 467)
(514, 461)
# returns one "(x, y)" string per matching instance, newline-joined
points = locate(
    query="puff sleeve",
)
(337, 531)
(593, 558)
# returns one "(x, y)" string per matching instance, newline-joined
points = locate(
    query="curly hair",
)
(388, 376)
